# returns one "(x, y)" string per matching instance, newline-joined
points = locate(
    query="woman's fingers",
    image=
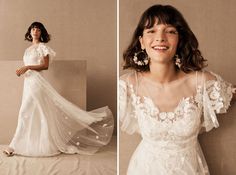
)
(21, 71)
(17, 73)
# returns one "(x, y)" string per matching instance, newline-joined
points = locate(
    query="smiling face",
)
(160, 42)
(35, 33)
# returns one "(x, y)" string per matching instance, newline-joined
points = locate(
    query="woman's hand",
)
(43, 66)
(22, 70)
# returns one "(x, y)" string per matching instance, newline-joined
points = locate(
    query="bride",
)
(48, 124)
(168, 98)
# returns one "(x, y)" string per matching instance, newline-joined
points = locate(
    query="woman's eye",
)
(36, 29)
(150, 31)
(172, 32)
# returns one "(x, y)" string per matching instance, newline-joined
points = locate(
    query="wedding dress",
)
(169, 118)
(48, 124)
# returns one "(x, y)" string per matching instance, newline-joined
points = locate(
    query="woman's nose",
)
(160, 36)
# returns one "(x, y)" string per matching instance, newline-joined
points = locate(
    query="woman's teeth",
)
(160, 47)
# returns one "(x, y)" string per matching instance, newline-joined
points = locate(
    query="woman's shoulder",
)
(43, 45)
(128, 76)
(195, 78)
(45, 49)
(207, 75)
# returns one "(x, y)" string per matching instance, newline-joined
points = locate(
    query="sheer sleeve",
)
(217, 95)
(129, 122)
(45, 50)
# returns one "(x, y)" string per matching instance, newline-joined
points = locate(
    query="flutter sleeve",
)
(45, 50)
(217, 95)
(129, 122)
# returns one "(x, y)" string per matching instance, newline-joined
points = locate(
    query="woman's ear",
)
(141, 42)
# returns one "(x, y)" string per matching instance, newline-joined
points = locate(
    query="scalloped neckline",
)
(34, 46)
(184, 99)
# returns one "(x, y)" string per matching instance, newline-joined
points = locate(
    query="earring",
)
(178, 61)
(141, 58)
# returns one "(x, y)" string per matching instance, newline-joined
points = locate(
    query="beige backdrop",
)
(213, 22)
(80, 29)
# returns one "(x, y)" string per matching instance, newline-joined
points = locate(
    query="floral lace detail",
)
(122, 90)
(220, 94)
(198, 96)
(126, 111)
(135, 101)
(123, 98)
(171, 137)
(44, 50)
(34, 54)
(148, 108)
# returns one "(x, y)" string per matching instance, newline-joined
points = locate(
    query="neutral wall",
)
(80, 29)
(213, 22)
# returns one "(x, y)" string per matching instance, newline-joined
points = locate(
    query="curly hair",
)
(45, 37)
(187, 48)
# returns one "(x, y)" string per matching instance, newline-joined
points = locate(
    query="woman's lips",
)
(160, 48)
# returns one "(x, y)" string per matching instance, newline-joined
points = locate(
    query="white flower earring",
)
(178, 61)
(141, 58)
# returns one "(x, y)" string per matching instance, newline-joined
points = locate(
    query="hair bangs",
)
(45, 37)
(36, 25)
(187, 47)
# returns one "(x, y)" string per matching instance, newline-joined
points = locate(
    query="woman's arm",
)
(42, 66)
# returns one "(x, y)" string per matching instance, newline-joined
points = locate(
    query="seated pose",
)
(48, 124)
(168, 98)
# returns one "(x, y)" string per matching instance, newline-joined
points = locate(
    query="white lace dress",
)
(169, 119)
(48, 124)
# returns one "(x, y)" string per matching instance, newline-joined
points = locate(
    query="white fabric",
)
(48, 124)
(101, 163)
(34, 54)
(169, 118)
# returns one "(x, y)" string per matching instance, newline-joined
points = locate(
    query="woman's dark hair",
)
(45, 37)
(187, 48)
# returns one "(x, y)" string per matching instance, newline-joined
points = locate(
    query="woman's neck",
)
(34, 42)
(163, 73)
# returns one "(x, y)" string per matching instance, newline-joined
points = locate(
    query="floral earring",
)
(178, 61)
(141, 58)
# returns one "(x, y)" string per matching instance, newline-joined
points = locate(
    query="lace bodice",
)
(169, 119)
(139, 112)
(34, 54)
(154, 125)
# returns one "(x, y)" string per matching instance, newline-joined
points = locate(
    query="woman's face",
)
(160, 42)
(35, 33)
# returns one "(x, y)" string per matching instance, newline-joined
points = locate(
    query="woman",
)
(48, 124)
(168, 98)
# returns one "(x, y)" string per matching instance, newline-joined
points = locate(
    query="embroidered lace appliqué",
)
(146, 106)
